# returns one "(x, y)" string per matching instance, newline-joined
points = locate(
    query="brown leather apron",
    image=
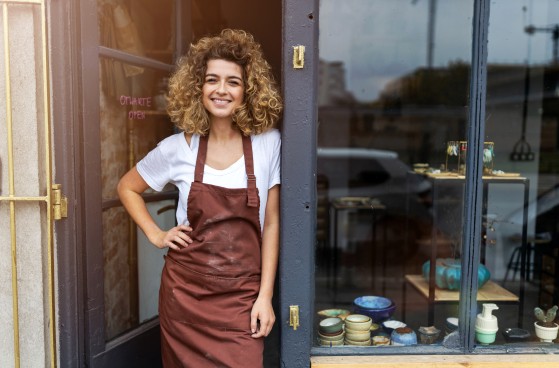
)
(208, 288)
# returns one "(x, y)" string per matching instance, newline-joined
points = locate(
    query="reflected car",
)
(363, 172)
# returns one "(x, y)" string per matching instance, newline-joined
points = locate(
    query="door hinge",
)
(298, 57)
(59, 203)
(294, 316)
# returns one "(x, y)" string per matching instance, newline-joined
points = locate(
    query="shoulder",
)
(170, 144)
(269, 138)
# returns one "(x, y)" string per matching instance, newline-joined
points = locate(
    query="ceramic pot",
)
(403, 336)
(546, 334)
(448, 272)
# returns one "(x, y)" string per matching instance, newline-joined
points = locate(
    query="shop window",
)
(393, 100)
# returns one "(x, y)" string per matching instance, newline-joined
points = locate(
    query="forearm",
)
(270, 254)
(270, 244)
(130, 188)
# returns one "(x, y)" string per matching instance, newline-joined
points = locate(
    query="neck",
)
(223, 130)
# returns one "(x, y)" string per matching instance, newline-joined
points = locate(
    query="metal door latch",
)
(298, 57)
(294, 316)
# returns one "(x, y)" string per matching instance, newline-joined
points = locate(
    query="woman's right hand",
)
(175, 238)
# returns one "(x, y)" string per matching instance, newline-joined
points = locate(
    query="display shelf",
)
(490, 292)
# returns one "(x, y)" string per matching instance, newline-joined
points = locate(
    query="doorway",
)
(128, 50)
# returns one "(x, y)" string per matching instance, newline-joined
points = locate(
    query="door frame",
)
(298, 189)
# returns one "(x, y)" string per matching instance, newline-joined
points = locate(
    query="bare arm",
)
(262, 310)
(130, 188)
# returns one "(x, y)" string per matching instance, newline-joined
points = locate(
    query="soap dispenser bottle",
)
(486, 324)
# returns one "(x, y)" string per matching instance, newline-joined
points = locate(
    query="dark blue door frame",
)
(298, 197)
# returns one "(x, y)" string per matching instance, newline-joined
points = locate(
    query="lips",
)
(220, 102)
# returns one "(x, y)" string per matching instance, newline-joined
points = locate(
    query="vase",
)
(448, 272)
(546, 334)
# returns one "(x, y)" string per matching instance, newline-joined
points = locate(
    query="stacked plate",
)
(331, 332)
(358, 330)
(378, 308)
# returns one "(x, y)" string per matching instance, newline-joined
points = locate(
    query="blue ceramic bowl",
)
(377, 315)
(403, 336)
(372, 302)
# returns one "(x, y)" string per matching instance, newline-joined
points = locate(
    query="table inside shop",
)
(429, 289)
(346, 204)
(489, 292)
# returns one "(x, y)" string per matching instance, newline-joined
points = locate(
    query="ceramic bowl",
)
(357, 335)
(428, 335)
(339, 336)
(358, 343)
(391, 325)
(403, 336)
(372, 302)
(375, 329)
(340, 313)
(381, 340)
(331, 325)
(377, 315)
(331, 343)
(516, 334)
(358, 322)
(451, 325)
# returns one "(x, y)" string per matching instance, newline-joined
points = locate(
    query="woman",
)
(215, 301)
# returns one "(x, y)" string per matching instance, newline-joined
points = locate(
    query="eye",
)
(211, 80)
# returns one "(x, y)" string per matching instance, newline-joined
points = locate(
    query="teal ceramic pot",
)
(448, 272)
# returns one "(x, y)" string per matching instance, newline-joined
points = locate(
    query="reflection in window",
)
(393, 91)
(393, 99)
(140, 27)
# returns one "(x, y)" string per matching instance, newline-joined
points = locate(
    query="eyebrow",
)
(228, 77)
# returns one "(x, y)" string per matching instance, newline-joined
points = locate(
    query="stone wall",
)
(29, 155)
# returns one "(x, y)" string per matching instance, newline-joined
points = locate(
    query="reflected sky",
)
(381, 40)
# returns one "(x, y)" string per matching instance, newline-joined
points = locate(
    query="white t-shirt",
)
(173, 161)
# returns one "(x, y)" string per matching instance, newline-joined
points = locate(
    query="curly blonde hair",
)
(262, 104)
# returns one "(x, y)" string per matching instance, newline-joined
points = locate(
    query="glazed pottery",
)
(451, 325)
(381, 340)
(403, 336)
(546, 334)
(331, 343)
(391, 325)
(358, 343)
(516, 334)
(358, 322)
(357, 335)
(372, 302)
(338, 336)
(330, 325)
(377, 307)
(340, 313)
(448, 272)
(428, 335)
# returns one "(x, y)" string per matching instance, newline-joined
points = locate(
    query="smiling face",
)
(223, 89)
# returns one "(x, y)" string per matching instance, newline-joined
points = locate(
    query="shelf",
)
(489, 292)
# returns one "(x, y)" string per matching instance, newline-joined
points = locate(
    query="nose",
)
(221, 87)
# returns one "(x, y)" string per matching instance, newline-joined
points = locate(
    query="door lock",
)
(294, 316)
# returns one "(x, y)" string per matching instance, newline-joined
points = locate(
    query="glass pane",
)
(521, 219)
(140, 27)
(393, 95)
(133, 120)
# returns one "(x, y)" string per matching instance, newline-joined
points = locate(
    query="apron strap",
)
(201, 158)
(252, 192)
